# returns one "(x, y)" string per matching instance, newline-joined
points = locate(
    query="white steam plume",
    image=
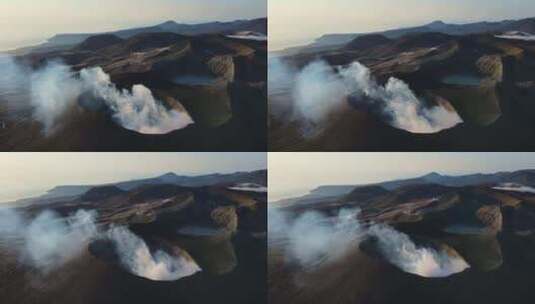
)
(400, 103)
(514, 187)
(319, 91)
(280, 74)
(313, 238)
(136, 256)
(54, 88)
(137, 110)
(398, 248)
(48, 241)
(13, 76)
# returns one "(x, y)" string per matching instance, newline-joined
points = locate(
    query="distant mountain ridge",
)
(258, 177)
(330, 40)
(524, 177)
(255, 25)
(524, 25)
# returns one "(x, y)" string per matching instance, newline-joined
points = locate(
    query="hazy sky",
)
(31, 21)
(292, 174)
(28, 174)
(298, 22)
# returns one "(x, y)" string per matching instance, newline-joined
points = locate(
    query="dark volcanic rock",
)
(525, 177)
(100, 193)
(423, 40)
(98, 42)
(106, 250)
(365, 193)
(156, 192)
(367, 41)
(146, 41)
(413, 192)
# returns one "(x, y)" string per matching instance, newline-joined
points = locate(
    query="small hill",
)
(103, 192)
(415, 192)
(367, 42)
(155, 192)
(364, 193)
(147, 41)
(98, 42)
(423, 40)
(525, 177)
(525, 25)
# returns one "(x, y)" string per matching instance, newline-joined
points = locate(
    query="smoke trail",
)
(514, 187)
(55, 88)
(313, 238)
(319, 91)
(135, 255)
(247, 35)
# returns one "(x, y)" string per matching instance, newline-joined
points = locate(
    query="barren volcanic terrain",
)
(165, 88)
(170, 239)
(433, 239)
(437, 87)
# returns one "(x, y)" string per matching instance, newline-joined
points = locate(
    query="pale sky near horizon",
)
(28, 174)
(294, 174)
(26, 22)
(299, 22)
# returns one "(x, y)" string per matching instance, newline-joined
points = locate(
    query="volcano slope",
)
(215, 83)
(216, 234)
(484, 77)
(409, 241)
